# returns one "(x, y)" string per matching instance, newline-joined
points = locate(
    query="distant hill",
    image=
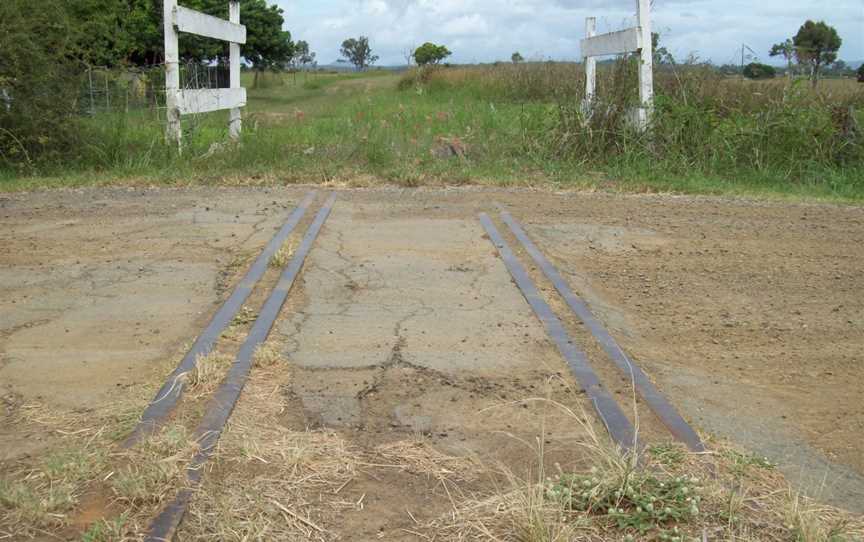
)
(855, 64)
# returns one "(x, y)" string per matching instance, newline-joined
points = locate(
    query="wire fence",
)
(105, 90)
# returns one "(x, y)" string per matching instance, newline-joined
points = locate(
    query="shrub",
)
(38, 82)
(754, 70)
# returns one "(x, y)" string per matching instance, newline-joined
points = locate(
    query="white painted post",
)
(590, 67)
(646, 66)
(174, 131)
(235, 122)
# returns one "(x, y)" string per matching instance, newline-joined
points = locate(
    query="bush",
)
(754, 70)
(704, 122)
(38, 82)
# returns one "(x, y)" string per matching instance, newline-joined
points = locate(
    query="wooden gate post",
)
(235, 122)
(646, 66)
(590, 68)
(174, 131)
(197, 101)
(630, 40)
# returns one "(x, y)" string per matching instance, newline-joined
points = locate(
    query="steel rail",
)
(658, 403)
(617, 424)
(221, 405)
(169, 395)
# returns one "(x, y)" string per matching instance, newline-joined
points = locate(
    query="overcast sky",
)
(489, 30)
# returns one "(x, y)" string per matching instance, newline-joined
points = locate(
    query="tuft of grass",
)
(209, 371)
(267, 355)
(283, 256)
(150, 472)
(668, 454)
(43, 497)
(108, 530)
(743, 463)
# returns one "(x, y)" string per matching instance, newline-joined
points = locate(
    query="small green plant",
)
(741, 464)
(106, 530)
(244, 317)
(641, 502)
(282, 257)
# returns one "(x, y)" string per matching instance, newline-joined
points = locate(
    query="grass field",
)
(502, 126)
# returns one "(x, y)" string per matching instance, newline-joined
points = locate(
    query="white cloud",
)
(488, 30)
(465, 25)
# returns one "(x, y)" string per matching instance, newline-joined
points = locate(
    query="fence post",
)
(174, 132)
(646, 66)
(92, 99)
(590, 68)
(235, 122)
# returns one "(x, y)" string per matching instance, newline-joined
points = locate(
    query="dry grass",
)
(716, 497)
(268, 355)
(208, 373)
(269, 482)
(41, 491)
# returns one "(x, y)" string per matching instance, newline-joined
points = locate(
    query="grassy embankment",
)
(497, 125)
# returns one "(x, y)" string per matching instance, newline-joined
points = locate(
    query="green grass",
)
(364, 129)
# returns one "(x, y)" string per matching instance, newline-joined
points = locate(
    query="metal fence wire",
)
(142, 90)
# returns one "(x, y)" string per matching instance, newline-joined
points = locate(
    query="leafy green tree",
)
(358, 52)
(816, 45)
(430, 54)
(517, 58)
(267, 45)
(755, 70)
(861, 73)
(785, 49)
(131, 31)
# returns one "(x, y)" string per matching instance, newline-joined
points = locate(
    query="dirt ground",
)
(405, 322)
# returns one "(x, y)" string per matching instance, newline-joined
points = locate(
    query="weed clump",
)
(641, 502)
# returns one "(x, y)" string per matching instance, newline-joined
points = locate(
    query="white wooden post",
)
(646, 66)
(235, 122)
(631, 40)
(174, 131)
(590, 66)
(187, 102)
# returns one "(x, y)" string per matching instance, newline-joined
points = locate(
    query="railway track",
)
(221, 404)
(620, 428)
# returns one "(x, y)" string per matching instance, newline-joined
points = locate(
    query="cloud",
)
(489, 30)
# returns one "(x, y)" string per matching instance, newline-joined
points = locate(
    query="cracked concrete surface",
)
(411, 324)
(405, 321)
(432, 285)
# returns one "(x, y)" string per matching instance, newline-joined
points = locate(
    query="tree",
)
(267, 45)
(430, 54)
(755, 70)
(302, 56)
(861, 73)
(114, 32)
(816, 45)
(408, 54)
(785, 49)
(358, 52)
(661, 54)
(517, 58)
